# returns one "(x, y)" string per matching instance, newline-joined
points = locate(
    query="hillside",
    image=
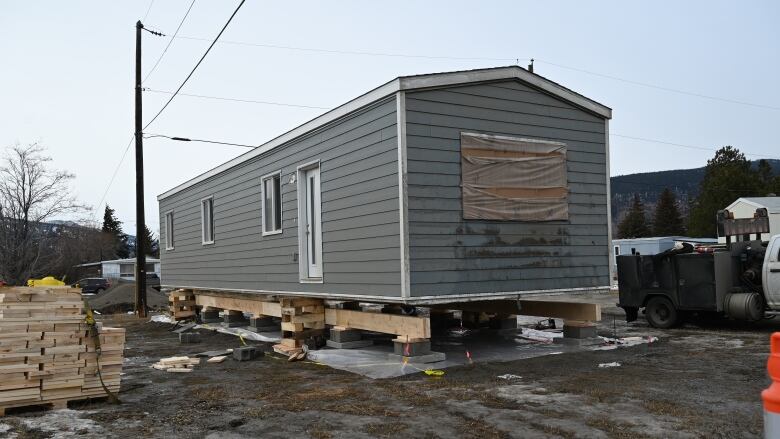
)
(684, 182)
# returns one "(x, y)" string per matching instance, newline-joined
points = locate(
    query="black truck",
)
(739, 279)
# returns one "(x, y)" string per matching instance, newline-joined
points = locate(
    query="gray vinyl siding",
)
(358, 157)
(450, 255)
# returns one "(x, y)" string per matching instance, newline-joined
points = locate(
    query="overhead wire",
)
(149, 9)
(682, 145)
(250, 101)
(475, 58)
(170, 41)
(196, 65)
(187, 139)
(113, 175)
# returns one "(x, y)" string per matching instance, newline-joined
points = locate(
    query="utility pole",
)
(140, 224)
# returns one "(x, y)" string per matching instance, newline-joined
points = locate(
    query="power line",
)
(474, 58)
(187, 139)
(353, 52)
(149, 9)
(660, 87)
(251, 101)
(196, 65)
(113, 176)
(681, 145)
(169, 42)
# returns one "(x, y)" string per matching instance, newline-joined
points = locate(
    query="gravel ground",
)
(693, 382)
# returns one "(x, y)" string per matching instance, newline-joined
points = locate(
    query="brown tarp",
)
(509, 178)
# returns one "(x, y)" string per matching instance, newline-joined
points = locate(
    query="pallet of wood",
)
(181, 304)
(46, 356)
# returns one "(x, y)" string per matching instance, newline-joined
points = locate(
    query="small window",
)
(272, 203)
(126, 270)
(513, 179)
(617, 250)
(207, 220)
(169, 230)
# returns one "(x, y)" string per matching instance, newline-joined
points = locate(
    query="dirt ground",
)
(693, 382)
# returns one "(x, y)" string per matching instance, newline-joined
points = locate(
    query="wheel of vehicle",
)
(661, 313)
(99, 290)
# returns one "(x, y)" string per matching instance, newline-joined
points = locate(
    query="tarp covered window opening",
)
(513, 179)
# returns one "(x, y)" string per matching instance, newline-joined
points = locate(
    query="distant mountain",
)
(649, 185)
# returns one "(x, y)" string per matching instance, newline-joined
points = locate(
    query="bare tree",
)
(30, 194)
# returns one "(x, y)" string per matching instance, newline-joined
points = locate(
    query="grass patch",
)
(384, 429)
(478, 428)
(614, 429)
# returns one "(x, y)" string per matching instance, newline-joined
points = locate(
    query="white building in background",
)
(746, 208)
(120, 268)
(653, 245)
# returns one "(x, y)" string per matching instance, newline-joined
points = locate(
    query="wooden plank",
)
(414, 327)
(255, 307)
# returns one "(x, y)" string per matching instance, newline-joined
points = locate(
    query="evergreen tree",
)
(634, 225)
(727, 176)
(150, 243)
(667, 221)
(113, 228)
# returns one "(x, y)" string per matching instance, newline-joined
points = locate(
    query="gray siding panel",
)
(449, 255)
(359, 181)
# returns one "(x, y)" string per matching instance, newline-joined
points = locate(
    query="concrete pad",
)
(349, 344)
(433, 357)
(189, 337)
(411, 349)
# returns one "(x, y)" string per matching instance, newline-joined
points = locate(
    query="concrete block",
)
(245, 353)
(504, 323)
(579, 331)
(411, 349)
(272, 328)
(238, 324)
(345, 335)
(189, 337)
(231, 317)
(432, 357)
(260, 322)
(210, 316)
(357, 344)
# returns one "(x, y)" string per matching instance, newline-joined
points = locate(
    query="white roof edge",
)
(401, 84)
(756, 204)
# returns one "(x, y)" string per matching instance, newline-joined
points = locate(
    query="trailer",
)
(445, 188)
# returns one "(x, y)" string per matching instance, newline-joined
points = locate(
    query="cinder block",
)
(411, 349)
(504, 323)
(345, 335)
(231, 317)
(210, 316)
(259, 322)
(357, 344)
(579, 331)
(245, 353)
(189, 337)
(236, 324)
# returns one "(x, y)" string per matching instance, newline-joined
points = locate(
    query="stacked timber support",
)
(301, 318)
(46, 355)
(181, 304)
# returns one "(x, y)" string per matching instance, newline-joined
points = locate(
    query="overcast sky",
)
(68, 68)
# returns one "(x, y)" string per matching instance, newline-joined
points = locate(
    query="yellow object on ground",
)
(48, 281)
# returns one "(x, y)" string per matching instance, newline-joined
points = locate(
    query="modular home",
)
(457, 186)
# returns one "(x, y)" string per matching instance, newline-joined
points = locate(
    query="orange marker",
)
(771, 396)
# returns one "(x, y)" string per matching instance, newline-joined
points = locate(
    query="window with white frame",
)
(169, 230)
(272, 203)
(207, 220)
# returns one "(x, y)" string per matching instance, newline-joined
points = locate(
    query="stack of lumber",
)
(182, 304)
(176, 364)
(45, 353)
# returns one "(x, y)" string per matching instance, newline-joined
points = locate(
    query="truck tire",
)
(661, 313)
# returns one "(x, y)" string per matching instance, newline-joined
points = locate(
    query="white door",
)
(313, 223)
(771, 278)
